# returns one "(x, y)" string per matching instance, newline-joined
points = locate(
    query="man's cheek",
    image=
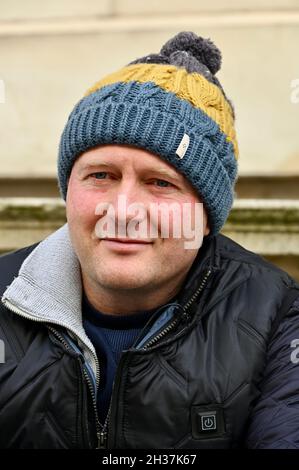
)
(82, 207)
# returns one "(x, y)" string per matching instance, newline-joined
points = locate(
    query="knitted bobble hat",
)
(172, 105)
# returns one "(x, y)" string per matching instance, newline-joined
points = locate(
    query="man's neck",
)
(125, 302)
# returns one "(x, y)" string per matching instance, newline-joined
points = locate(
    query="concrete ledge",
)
(148, 23)
(268, 227)
(26, 221)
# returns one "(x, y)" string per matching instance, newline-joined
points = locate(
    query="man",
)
(137, 337)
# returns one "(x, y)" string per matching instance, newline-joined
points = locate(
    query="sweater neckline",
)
(114, 321)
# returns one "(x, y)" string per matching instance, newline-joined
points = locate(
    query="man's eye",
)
(163, 183)
(99, 175)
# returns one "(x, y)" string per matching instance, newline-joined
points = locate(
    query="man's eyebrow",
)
(164, 172)
(157, 171)
(92, 165)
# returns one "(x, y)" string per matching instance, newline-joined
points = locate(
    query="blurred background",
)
(52, 51)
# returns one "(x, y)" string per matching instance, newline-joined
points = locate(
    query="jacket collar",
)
(48, 289)
(207, 258)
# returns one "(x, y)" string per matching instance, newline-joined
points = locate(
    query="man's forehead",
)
(114, 157)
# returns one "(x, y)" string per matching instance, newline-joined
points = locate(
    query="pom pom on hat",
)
(203, 50)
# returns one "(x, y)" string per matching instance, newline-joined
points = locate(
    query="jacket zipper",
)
(101, 434)
(184, 317)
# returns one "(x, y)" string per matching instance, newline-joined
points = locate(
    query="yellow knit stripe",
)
(192, 87)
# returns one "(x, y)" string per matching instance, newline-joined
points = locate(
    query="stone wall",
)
(52, 51)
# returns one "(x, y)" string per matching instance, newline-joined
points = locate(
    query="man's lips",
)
(127, 240)
(125, 245)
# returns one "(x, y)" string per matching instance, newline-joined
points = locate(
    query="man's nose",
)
(129, 201)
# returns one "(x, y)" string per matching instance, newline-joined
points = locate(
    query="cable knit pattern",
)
(193, 87)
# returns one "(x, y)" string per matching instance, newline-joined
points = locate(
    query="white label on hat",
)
(183, 147)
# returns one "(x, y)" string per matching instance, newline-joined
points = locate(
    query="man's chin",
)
(127, 275)
(118, 282)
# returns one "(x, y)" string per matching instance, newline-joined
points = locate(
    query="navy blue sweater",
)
(110, 335)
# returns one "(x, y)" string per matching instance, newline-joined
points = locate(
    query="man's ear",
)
(207, 230)
(206, 217)
(67, 185)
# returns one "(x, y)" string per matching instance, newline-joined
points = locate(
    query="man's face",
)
(98, 178)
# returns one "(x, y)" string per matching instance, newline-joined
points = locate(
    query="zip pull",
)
(185, 317)
(102, 440)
